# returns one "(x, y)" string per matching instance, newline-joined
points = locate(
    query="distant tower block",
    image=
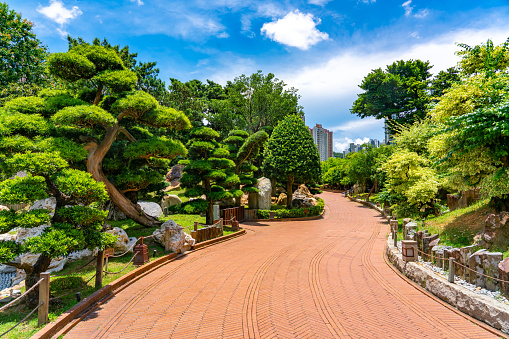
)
(323, 140)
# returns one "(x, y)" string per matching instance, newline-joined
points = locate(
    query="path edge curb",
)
(98, 297)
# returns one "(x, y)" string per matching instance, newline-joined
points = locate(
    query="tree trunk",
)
(209, 220)
(96, 154)
(500, 204)
(289, 192)
(372, 189)
(33, 276)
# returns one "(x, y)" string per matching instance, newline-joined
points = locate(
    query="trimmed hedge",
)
(293, 213)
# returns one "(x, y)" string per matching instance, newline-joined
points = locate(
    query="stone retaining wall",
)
(475, 305)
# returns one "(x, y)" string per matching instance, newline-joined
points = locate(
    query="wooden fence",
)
(228, 213)
(209, 232)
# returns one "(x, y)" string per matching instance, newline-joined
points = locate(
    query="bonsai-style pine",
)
(290, 155)
(76, 223)
(208, 170)
(243, 148)
(123, 129)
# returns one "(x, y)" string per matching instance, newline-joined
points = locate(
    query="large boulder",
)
(179, 240)
(174, 175)
(170, 200)
(303, 198)
(262, 199)
(495, 232)
(123, 243)
(151, 208)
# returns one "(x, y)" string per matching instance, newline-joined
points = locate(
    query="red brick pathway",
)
(308, 279)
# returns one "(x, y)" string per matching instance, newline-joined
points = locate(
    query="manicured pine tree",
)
(291, 155)
(208, 170)
(76, 223)
(110, 109)
(243, 148)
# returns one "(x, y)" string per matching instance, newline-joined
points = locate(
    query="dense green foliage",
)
(243, 149)
(281, 213)
(209, 171)
(290, 155)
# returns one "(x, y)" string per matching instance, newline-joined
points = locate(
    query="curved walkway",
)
(323, 278)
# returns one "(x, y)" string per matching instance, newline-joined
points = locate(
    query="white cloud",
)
(407, 7)
(139, 2)
(344, 143)
(223, 35)
(358, 125)
(338, 77)
(296, 29)
(318, 2)
(58, 13)
(422, 13)
(415, 35)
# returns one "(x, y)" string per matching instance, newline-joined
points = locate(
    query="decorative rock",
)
(282, 200)
(49, 204)
(4, 208)
(262, 199)
(24, 233)
(303, 198)
(170, 200)
(179, 240)
(408, 227)
(151, 208)
(123, 241)
(475, 263)
(490, 266)
(7, 236)
(174, 175)
(503, 273)
(7, 269)
(77, 255)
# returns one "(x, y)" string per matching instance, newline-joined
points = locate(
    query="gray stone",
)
(261, 200)
(179, 240)
(123, 242)
(170, 200)
(151, 208)
(49, 204)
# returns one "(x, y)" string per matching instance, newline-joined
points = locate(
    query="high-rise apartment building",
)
(323, 141)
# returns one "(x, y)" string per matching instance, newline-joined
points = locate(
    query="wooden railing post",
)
(44, 298)
(167, 239)
(99, 270)
(221, 225)
(451, 270)
(196, 225)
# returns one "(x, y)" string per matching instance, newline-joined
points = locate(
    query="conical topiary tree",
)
(208, 170)
(108, 111)
(243, 148)
(291, 155)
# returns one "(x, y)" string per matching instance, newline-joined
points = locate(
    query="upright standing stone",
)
(261, 200)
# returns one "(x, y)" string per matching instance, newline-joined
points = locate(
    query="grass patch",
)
(458, 228)
(178, 192)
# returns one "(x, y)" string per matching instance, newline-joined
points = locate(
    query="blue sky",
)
(324, 48)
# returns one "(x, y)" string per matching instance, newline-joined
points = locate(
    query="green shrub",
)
(196, 206)
(284, 213)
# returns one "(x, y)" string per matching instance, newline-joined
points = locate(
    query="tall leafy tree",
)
(21, 55)
(291, 155)
(112, 109)
(243, 149)
(254, 103)
(400, 92)
(443, 81)
(208, 170)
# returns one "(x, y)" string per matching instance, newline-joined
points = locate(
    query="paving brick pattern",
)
(323, 278)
